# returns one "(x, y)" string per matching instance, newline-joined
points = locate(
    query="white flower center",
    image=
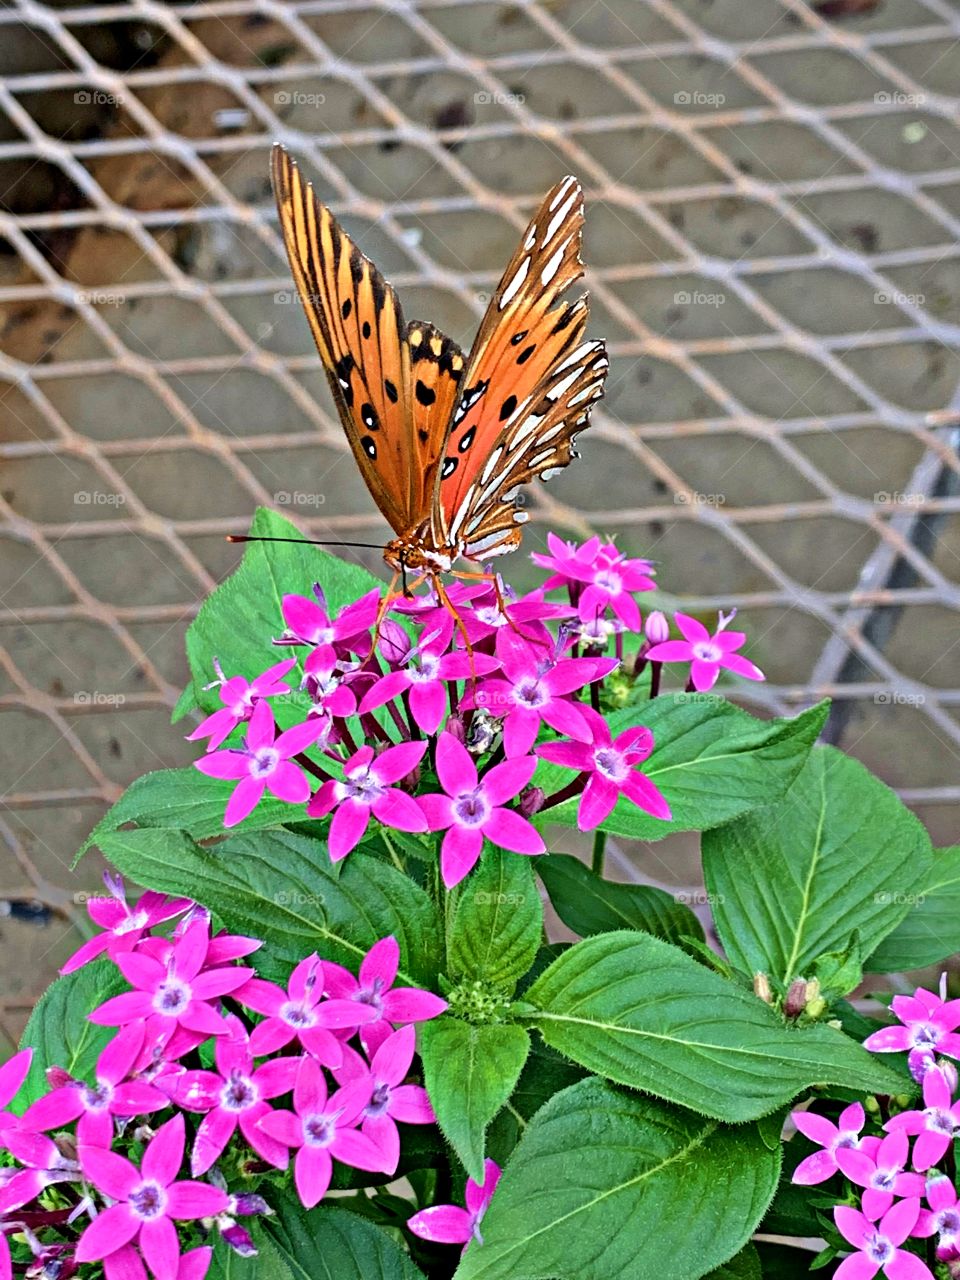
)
(530, 693)
(264, 762)
(99, 1096)
(172, 997)
(360, 785)
(319, 1130)
(424, 672)
(239, 1093)
(148, 1201)
(296, 1014)
(129, 923)
(471, 808)
(707, 651)
(878, 1248)
(611, 764)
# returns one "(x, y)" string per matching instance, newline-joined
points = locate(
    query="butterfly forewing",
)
(526, 333)
(360, 334)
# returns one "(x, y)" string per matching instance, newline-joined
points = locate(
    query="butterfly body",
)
(445, 440)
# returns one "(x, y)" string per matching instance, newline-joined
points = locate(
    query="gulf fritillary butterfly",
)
(443, 440)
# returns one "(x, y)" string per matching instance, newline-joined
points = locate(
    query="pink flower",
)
(112, 1094)
(374, 990)
(172, 994)
(936, 1125)
(147, 1200)
(821, 1165)
(535, 689)
(309, 622)
(706, 653)
(472, 808)
(322, 1129)
(598, 577)
(124, 926)
(325, 679)
(388, 1098)
(294, 1014)
(367, 789)
(448, 1223)
(12, 1075)
(239, 698)
(265, 763)
(236, 1095)
(424, 672)
(929, 1024)
(611, 768)
(878, 1244)
(45, 1164)
(126, 1264)
(880, 1169)
(942, 1219)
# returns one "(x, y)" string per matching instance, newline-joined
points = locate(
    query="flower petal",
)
(107, 1233)
(455, 767)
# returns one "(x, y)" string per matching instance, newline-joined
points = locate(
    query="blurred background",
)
(773, 217)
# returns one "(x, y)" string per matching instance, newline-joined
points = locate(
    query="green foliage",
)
(839, 855)
(498, 923)
(643, 1013)
(606, 1183)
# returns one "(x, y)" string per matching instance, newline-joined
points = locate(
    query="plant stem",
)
(599, 851)
(571, 789)
(394, 856)
(656, 670)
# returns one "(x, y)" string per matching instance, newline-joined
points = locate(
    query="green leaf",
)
(930, 930)
(711, 760)
(640, 1011)
(589, 905)
(839, 972)
(279, 886)
(745, 1266)
(183, 800)
(498, 923)
(58, 1030)
(839, 854)
(328, 1243)
(470, 1071)
(236, 621)
(227, 1264)
(605, 1183)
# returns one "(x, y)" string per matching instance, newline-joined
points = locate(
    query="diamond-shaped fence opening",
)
(773, 219)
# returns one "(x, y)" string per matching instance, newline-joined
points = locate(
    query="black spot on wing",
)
(391, 390)
(449, 467)
(356, 265)
(507, 407)
(343, 369)
(518, 338)
(346, 308)
(425, 395)
(467, 440)
(366, 329)
(368, 416)
(526, 353)
(369, 446)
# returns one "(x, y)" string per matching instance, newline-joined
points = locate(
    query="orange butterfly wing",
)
(527, 387)
(393, 383)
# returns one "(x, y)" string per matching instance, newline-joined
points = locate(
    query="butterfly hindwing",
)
(362, 339)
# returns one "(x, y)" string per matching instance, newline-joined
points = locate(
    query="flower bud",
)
(796, 999)
(949, 1072)
(239, 1240)
(57, 1078)
(531, 801)
(761, 988)
(394, 643)
(814, 1005)
(656, 628)
(871, 1105)
(249, 1203)
(456, 728)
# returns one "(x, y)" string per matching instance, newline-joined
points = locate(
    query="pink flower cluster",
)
(467, 701)
(317, 1072)
(903, 1195)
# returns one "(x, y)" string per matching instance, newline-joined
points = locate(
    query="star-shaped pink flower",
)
(706, 653)
(448, 1223)
(368, 790)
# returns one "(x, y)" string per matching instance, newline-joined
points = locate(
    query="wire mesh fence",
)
(773, 220)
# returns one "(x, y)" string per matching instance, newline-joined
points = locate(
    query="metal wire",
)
(132, 185)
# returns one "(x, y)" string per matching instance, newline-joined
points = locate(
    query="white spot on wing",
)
(552, 267)
(565, 186)
(557, 219)
(514, 286)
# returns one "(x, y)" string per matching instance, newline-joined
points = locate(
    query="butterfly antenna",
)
(310, 542)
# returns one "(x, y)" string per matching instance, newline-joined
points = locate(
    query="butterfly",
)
(444, 440)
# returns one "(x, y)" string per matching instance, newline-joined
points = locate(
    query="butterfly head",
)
(414, 555)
